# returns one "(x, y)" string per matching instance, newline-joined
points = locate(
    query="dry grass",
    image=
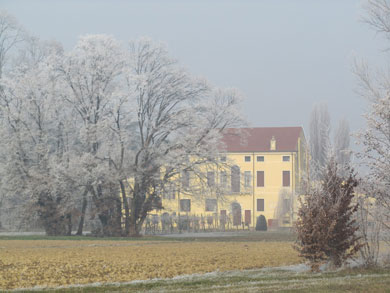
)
(29, 263)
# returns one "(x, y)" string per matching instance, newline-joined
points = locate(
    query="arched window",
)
(235, 178)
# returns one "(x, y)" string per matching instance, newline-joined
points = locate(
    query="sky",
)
(284, 56)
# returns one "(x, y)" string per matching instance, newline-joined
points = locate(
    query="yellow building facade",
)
(261, 175)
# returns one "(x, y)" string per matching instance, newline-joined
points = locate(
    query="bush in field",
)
(326, 228)
(261, 223)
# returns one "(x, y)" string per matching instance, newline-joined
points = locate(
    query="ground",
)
(259, 280)
(232, 262)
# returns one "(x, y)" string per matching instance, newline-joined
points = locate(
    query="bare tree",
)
(369, 218)
(375, 138)
(11, 33)
(342, 150)
(31, 145)
(178, 123)
(90, 76)
(319, 139)
(116, 125)
(377, 16)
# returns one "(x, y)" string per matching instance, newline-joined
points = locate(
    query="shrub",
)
(261, 223)
(326, 229)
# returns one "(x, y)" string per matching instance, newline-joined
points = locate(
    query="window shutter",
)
(260, 178)
(247, 217)
(260, 205)
(286, 178)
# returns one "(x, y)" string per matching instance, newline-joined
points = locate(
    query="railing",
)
(172, 224)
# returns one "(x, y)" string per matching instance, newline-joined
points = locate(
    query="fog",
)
(285, 56)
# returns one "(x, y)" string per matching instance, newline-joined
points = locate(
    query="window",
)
(185, 179)
(248, 217)
(260, 205)
(235, 178)
(286, 178)
(211, 205)
(211, 179)
(260, 178)
(247, 179)
(260, 158)
(185, 205)
(286, 158)
(247, 158)
(223, 179)
(223, 158)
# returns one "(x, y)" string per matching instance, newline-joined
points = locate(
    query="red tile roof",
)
(258, 139)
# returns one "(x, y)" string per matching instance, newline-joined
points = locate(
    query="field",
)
(237, 262)
(28, 262)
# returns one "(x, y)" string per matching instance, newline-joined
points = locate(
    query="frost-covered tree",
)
(178, 120)
(375, 138)
(11, 33)
(31, 145)
(377, 16)
(91, 76)
(110, 124)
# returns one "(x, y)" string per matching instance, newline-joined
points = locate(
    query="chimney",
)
(273, 144)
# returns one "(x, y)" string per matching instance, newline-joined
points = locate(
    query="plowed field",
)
(51, 263)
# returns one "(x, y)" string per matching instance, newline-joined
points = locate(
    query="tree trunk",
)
(82, 217)
(126, 207)
(109, 210)
(53, 222)
(135, 229)
(69, 220)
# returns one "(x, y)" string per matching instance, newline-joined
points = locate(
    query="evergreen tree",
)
(261, 223)
(325, 227)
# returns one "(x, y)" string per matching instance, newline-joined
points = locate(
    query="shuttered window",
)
(260, 178)
(260, 205)
(248, 217)
(286, 178)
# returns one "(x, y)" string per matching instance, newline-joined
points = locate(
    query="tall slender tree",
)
(342, 150)
(319, 139)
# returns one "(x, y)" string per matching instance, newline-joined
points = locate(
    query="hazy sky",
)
(285, 56)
